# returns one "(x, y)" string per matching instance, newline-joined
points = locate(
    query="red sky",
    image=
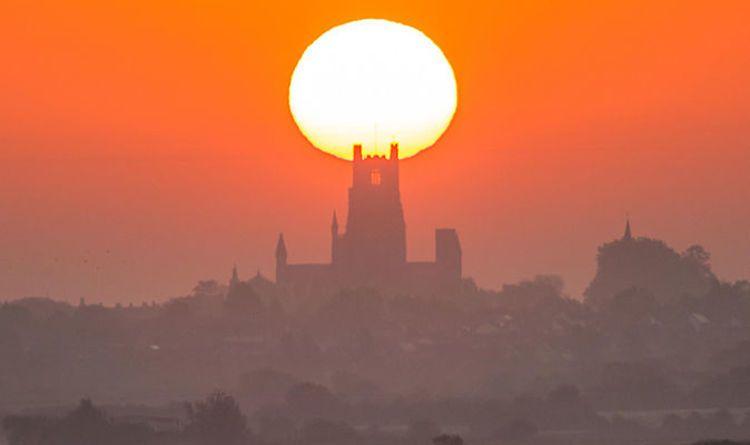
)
(145, 145)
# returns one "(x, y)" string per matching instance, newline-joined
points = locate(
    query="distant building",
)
(372, 249)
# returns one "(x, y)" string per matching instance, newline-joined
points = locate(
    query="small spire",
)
(334, 222)
(628, 234)
(235, 276)
(281, 247)
(257, 273)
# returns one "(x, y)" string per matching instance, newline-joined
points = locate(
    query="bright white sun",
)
(373, 82)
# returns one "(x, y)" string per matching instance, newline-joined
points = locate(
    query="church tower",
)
(369, 249)
(374, 244)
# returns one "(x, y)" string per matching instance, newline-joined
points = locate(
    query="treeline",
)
(306, 420)
(216, 420)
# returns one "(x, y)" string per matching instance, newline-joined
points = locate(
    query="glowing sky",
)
(145, 145)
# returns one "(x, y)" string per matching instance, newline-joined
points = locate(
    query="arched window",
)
(375, 177)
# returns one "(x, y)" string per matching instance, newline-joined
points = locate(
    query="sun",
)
(373, 82)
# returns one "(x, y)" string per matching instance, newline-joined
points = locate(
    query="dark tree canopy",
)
(448, 439)
(86, 425)
(217, 420)
(309, 399)
(649, 264)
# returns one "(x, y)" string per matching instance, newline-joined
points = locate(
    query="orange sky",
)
(145, 145)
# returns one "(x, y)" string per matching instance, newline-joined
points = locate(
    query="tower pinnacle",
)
(280, 259)
(235, 277)
(335, 223)
(394, 151)
(281, 249)
(628, 234)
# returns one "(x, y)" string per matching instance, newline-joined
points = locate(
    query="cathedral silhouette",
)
(371, 251)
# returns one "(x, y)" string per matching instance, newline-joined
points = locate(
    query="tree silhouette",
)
(86, 425)
(217, 420)
(649, 264)
(448, 439)
(308, 399)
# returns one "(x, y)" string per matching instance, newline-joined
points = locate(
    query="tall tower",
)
(370, 250)
(374, 245)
